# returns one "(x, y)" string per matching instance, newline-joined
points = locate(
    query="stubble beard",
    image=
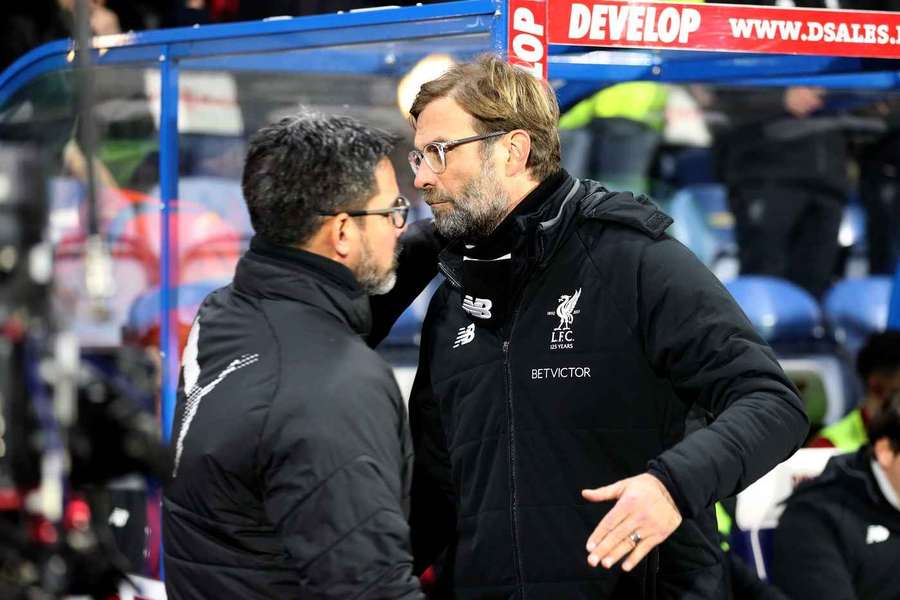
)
(368, 276)
(474, 214)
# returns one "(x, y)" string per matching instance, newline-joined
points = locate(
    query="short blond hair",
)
(502, 97)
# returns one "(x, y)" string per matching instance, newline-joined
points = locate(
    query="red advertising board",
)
(527, 36)
(723, 27)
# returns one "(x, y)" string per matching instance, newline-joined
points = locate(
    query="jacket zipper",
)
(512, 435)
(512, 453)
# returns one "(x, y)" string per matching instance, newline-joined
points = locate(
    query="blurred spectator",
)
(785, 165)
(103, 20)
(839, 537)
(260, 9)
(878, 365)
(879, 176)
(879, 190)
(188, 12)
(28, 25)
(31, 24)
(612, 137)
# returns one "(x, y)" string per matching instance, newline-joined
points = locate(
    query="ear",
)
(342, 233)
(876, 385)
(519, 147)
(883, 453)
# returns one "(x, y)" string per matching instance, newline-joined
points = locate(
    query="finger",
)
(610, 521)
(613, 538)
(620, 550)
(607, 492)
(641, 550)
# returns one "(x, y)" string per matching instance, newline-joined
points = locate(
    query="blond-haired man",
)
(559, 364)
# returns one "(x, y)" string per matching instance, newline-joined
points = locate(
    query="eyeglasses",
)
(398, 212)
(435, 153)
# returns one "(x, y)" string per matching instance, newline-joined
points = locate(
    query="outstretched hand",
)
(644, 515)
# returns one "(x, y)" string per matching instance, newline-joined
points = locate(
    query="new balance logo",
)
(876, 534)
(464, 336)
(480, 308)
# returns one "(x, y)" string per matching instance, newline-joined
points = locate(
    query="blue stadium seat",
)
(781, 312)
(857, 308)
(790, 320)
(704, 223)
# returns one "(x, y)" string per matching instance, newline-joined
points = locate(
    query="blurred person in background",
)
(879, 192)
(785, 161)
(839, 536)
(878, 366)
(103, 21)
(612, 136)
(785, 167)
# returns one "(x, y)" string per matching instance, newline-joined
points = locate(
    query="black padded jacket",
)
(510, 421)
(839, 537)
(292, 447)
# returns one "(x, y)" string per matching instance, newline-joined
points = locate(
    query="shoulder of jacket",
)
(837, 493)
(636, 212)
(615, 243)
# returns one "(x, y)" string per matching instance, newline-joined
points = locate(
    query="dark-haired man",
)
(839, 536)
(878, 366)
(292, 449)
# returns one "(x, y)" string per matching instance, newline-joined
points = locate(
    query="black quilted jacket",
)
(612, 333)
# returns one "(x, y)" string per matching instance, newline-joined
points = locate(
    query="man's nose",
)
(424, 176)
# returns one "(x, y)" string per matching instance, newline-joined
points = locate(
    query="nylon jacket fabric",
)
(839, 538)
(292, 444)
(511, 421)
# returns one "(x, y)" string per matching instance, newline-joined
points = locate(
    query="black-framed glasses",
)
(397, 213)
(435, 153)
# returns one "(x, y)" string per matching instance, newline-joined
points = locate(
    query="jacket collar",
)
(544, 225)
(884, 485)
(858, 465)
(277, 272)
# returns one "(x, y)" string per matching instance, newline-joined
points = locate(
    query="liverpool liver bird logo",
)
(566, 310)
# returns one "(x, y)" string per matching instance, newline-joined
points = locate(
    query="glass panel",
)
(127, 157)
(223, 101)
(126, 169)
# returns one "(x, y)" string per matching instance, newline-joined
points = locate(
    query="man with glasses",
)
(292, 453)
(563, 366)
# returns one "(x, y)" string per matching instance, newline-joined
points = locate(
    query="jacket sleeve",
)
(333, 489)
(433, 510)
(697, 337)
(809, 557)
(416, 266)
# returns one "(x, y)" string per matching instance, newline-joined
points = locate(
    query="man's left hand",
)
(644, 515)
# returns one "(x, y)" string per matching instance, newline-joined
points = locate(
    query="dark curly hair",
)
(880, 353)
(306, 164)
(886, 424)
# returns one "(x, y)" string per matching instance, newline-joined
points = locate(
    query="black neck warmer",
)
(493, 268)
